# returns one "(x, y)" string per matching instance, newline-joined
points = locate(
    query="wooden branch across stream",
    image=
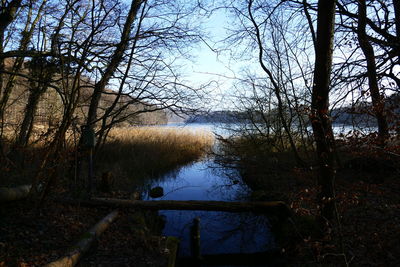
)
(277, 208)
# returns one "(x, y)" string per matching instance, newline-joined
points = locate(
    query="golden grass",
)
(147, 152)
(139, 153)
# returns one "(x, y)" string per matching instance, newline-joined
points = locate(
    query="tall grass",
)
(139, 153)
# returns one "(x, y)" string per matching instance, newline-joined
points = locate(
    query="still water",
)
(221, 232)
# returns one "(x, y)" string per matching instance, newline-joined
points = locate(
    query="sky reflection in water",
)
(221, 232)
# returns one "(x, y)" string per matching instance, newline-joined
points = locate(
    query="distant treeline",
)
(359, 114)
(222, 116)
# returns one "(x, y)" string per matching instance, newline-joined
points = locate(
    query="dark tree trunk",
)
(23, 46)
(320, 120)
(110, 69)
(114, 63)
(368, 50)
(29, 116)
(7, 16)
(396, 5)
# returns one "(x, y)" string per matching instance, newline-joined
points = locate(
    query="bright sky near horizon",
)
(212, 64)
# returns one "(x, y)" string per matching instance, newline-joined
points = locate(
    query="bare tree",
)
(368, 50)
(8, 13)
(319, 116)
(112, 66)
(274, 33)
(366, 43)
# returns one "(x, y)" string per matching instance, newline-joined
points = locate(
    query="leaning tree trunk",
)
(113, 64)
(30, 110)
(108, 73)
(320, 119)
(377, 99)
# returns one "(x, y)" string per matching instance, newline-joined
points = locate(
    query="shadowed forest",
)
(309, 109)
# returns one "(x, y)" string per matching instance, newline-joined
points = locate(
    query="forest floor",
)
(34, 238)
(366, 231)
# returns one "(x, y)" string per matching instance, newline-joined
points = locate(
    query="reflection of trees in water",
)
(144, 185)
(230, 183)
(242, 231)
(221, 232)
(238, 232)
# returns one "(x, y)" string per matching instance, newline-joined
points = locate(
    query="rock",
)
(156, 192)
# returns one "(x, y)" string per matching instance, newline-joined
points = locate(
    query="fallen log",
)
(83, 245)
(14, 193)
(278, 208)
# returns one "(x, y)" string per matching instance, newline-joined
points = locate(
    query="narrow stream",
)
(221, 232)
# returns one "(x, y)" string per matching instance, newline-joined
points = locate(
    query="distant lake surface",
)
(225, 129)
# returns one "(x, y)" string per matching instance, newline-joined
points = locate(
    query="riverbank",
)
(34, 237)
(367, 227)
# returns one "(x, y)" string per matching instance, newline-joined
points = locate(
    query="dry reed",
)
(138, 153)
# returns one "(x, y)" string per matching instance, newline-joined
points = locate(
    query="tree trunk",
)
(377, 100)
(23, 46)
(29, 116)
(7, 16)
(321, 124)
(114, 63)
(274, 207)
(396, 5)
(84, 244)
(108, 73)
